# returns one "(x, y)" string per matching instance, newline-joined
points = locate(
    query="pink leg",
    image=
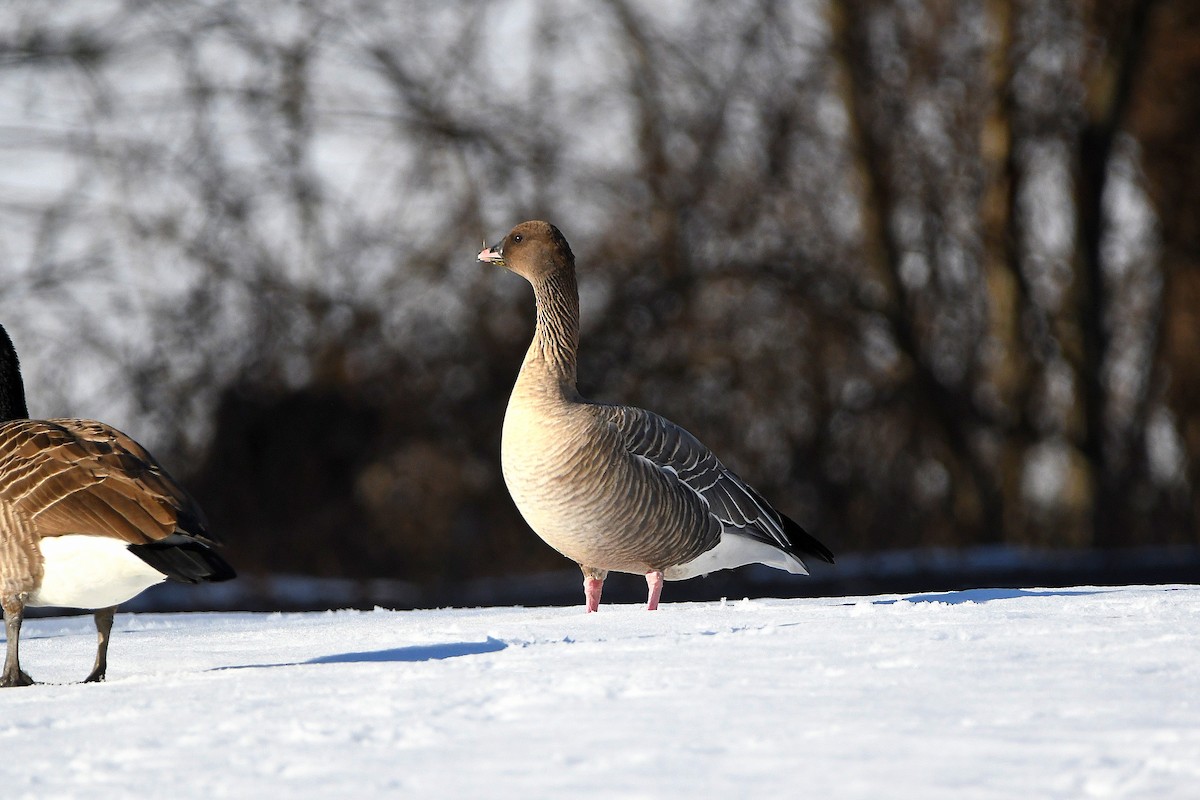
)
(591, 592)
(654, 580)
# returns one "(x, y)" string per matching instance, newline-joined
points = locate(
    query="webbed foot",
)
(17, 678)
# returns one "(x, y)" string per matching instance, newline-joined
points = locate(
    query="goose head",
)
(535, 250)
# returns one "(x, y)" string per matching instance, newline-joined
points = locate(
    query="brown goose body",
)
(88, 519)
(615, 487)
(583, 492)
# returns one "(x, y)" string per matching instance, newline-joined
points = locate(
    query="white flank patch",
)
(735, 551)
(91, 572)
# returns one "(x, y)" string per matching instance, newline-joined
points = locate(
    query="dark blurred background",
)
(926, 273)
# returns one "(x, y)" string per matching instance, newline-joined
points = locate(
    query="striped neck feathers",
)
(556, 337)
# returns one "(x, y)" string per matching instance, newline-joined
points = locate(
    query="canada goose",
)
(614, 487)
(88, 519)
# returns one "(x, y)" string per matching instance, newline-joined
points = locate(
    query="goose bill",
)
(491, 256)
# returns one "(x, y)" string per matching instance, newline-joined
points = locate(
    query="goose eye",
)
(517, 238)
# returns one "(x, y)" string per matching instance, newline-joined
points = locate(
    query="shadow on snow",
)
(987, 595)
(419, 652)
(412, 653)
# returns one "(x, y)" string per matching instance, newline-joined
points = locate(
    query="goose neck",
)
(12, 388)
(556, 337)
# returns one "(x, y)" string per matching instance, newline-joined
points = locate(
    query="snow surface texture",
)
(990, 693)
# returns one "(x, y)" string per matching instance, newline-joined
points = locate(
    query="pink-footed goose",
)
(611, 487)
(88, 519)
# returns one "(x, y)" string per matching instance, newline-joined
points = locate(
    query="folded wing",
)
(738, 508)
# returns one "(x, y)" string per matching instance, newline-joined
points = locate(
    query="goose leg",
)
(14, 615)
(593, 585)
(104, 623)
(654, 582)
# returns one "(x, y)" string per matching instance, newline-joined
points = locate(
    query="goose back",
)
(81, 476)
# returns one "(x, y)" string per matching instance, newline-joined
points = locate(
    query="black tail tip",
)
(803, 542)
(185, 560)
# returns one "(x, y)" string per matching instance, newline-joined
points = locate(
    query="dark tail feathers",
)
(803, 542)
(184, 559)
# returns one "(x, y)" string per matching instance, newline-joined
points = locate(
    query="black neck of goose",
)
(556, 338)
(12, 388)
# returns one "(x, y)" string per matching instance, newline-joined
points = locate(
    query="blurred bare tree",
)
(926, 272)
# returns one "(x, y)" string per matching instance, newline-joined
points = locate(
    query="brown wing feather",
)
(80, 476)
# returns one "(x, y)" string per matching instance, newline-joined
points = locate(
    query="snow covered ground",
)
(989, 693)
